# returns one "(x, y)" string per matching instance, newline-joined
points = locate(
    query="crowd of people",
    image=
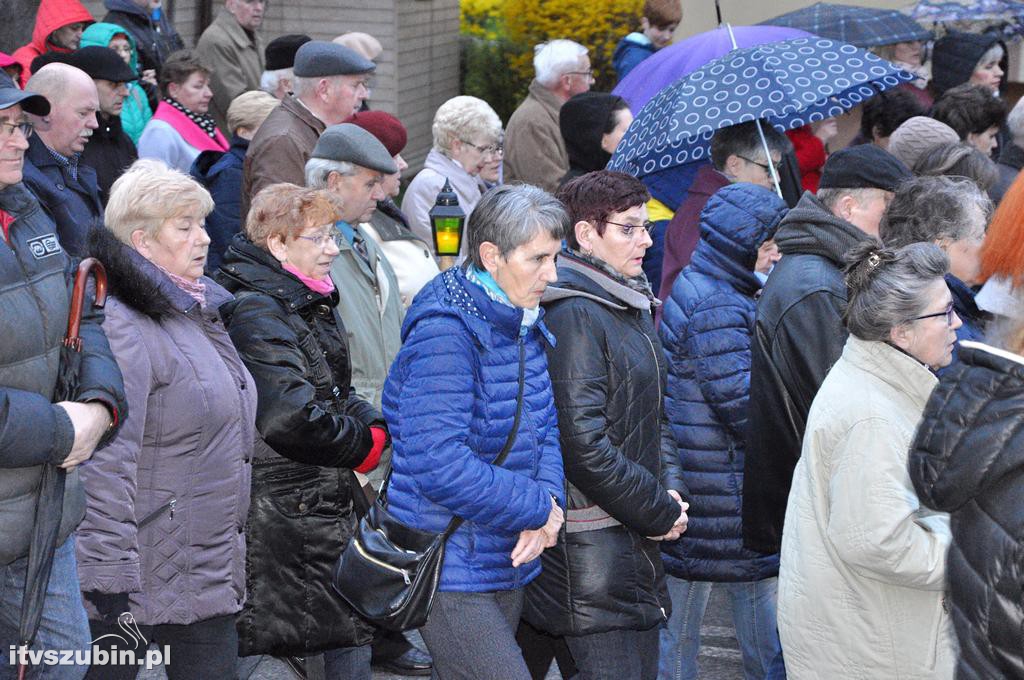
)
(787, 396)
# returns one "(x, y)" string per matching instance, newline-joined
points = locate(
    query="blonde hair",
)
(249, 110)
(148, 194)
(285, 210)
(465, 118)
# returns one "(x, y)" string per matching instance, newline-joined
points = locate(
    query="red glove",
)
(380, 438)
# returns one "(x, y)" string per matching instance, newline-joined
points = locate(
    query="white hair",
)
(466, 118)
(551, 60)
(1015, 122)
(319, 169)
(269, 80)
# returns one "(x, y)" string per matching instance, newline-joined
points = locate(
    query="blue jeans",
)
(753, 614)
(348, 663)
(63, 625)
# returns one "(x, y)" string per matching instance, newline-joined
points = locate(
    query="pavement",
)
(719, 655)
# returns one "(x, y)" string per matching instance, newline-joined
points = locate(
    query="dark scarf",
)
(638, 283)
(203, 120)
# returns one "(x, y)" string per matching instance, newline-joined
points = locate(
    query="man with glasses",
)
(799, 331)
(534, 149)
(233, 50)
(737, 155)
(34, 431)
(331, 81)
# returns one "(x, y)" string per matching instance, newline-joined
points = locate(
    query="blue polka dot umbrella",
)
(789, 83)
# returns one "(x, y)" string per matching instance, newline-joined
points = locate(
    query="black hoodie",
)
(583, 121)
(955, 56)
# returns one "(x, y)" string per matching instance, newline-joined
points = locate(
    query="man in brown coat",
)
(331, 82)
(232, 48)
(534, 148)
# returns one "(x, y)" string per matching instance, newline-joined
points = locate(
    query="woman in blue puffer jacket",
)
(705, 331)
(450, 404)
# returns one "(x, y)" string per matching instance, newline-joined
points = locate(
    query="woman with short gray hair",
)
(466, 138)
(471, 336)
(863, 564)
(952, 213)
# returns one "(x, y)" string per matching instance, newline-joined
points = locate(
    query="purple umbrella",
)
(668, 65)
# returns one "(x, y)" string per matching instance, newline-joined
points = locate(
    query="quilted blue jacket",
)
(705, 331)
(450, 401)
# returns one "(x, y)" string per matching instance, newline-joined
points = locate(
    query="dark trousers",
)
(198, 651)
(539, 649)
(616, 655)
(472, 636)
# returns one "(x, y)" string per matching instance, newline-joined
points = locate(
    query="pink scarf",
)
(189, 131)
(324, 286)
(196, 289)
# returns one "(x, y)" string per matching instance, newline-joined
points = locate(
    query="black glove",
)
(108, 605)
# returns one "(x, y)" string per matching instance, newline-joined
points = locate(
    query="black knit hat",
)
(955, 56)
(280, 52)
(864, 166)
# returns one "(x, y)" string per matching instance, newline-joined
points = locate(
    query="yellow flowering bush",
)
(482, 18)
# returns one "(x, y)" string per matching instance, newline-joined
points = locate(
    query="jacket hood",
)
(956, 54)
(583, 120)
(451, 295)
(54, 14)
(100, 35)
(980, 399)
(207, 164)
(141, 285)
(247, 266)
(810, 228)
(126, 6)
(733, 225)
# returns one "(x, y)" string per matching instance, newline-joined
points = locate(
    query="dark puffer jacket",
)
(221, 173)
(968, 460)
(35, 296)
(798, 335)
(314, 431)
(608, 373)
(705, 330)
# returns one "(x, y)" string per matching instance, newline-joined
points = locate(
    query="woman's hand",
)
(679, 527)
(532, 542)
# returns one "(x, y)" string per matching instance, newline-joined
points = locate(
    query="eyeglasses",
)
(7, 129)
(492, 150)
(764, 166)
(321, 240)
(634, 230)
(589, 73)
(948, 313)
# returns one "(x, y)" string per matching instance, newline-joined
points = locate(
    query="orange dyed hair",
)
(1003, 252)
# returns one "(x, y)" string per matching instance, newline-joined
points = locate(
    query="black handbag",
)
(389, 571)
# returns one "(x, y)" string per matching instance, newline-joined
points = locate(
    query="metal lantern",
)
(446, 222)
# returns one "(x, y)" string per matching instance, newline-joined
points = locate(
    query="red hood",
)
(54, 14)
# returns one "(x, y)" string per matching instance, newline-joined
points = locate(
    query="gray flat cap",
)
(319, 58)
(353, 144)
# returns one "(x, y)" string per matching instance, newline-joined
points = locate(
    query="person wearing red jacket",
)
(59, 26)
(810, 143)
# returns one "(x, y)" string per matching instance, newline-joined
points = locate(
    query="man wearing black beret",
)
(278, 76)
(799, 331)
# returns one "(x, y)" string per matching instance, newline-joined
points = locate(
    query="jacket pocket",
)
(167, 509)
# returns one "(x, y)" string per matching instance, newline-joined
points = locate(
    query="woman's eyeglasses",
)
(634, 230)
(948, 313)
(321, 240)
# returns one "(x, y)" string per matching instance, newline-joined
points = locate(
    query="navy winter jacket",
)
(705, 331)
(630, 51)
(221, 173)
(450, 401)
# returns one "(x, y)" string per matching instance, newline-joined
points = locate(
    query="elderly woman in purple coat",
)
(161, 549)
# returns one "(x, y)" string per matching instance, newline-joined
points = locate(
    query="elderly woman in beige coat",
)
(863, 564)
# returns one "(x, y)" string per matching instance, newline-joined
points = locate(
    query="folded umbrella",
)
(789, 84)
(860, 26)
(50, 501)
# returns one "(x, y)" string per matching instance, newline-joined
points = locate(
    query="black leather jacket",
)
(608, 375)
(968, 460)
(798, 334)
(314, 431)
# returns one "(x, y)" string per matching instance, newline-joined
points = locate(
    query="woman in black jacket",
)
(314, 430)
(602, 586)
(968, 460)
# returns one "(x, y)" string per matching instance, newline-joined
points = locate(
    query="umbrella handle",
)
(89, 265)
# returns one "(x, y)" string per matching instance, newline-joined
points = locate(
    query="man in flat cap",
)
(66, 188)
(34, 430)
(109, 151)
(331, 82)
(799, 331)
(231, 47)
(278, 75)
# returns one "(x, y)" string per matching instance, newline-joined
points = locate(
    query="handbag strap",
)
(510, 441)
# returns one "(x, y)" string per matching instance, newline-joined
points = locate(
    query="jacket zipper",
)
(385, 565)
(657, 369)
(153, 516)
(654, 573)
